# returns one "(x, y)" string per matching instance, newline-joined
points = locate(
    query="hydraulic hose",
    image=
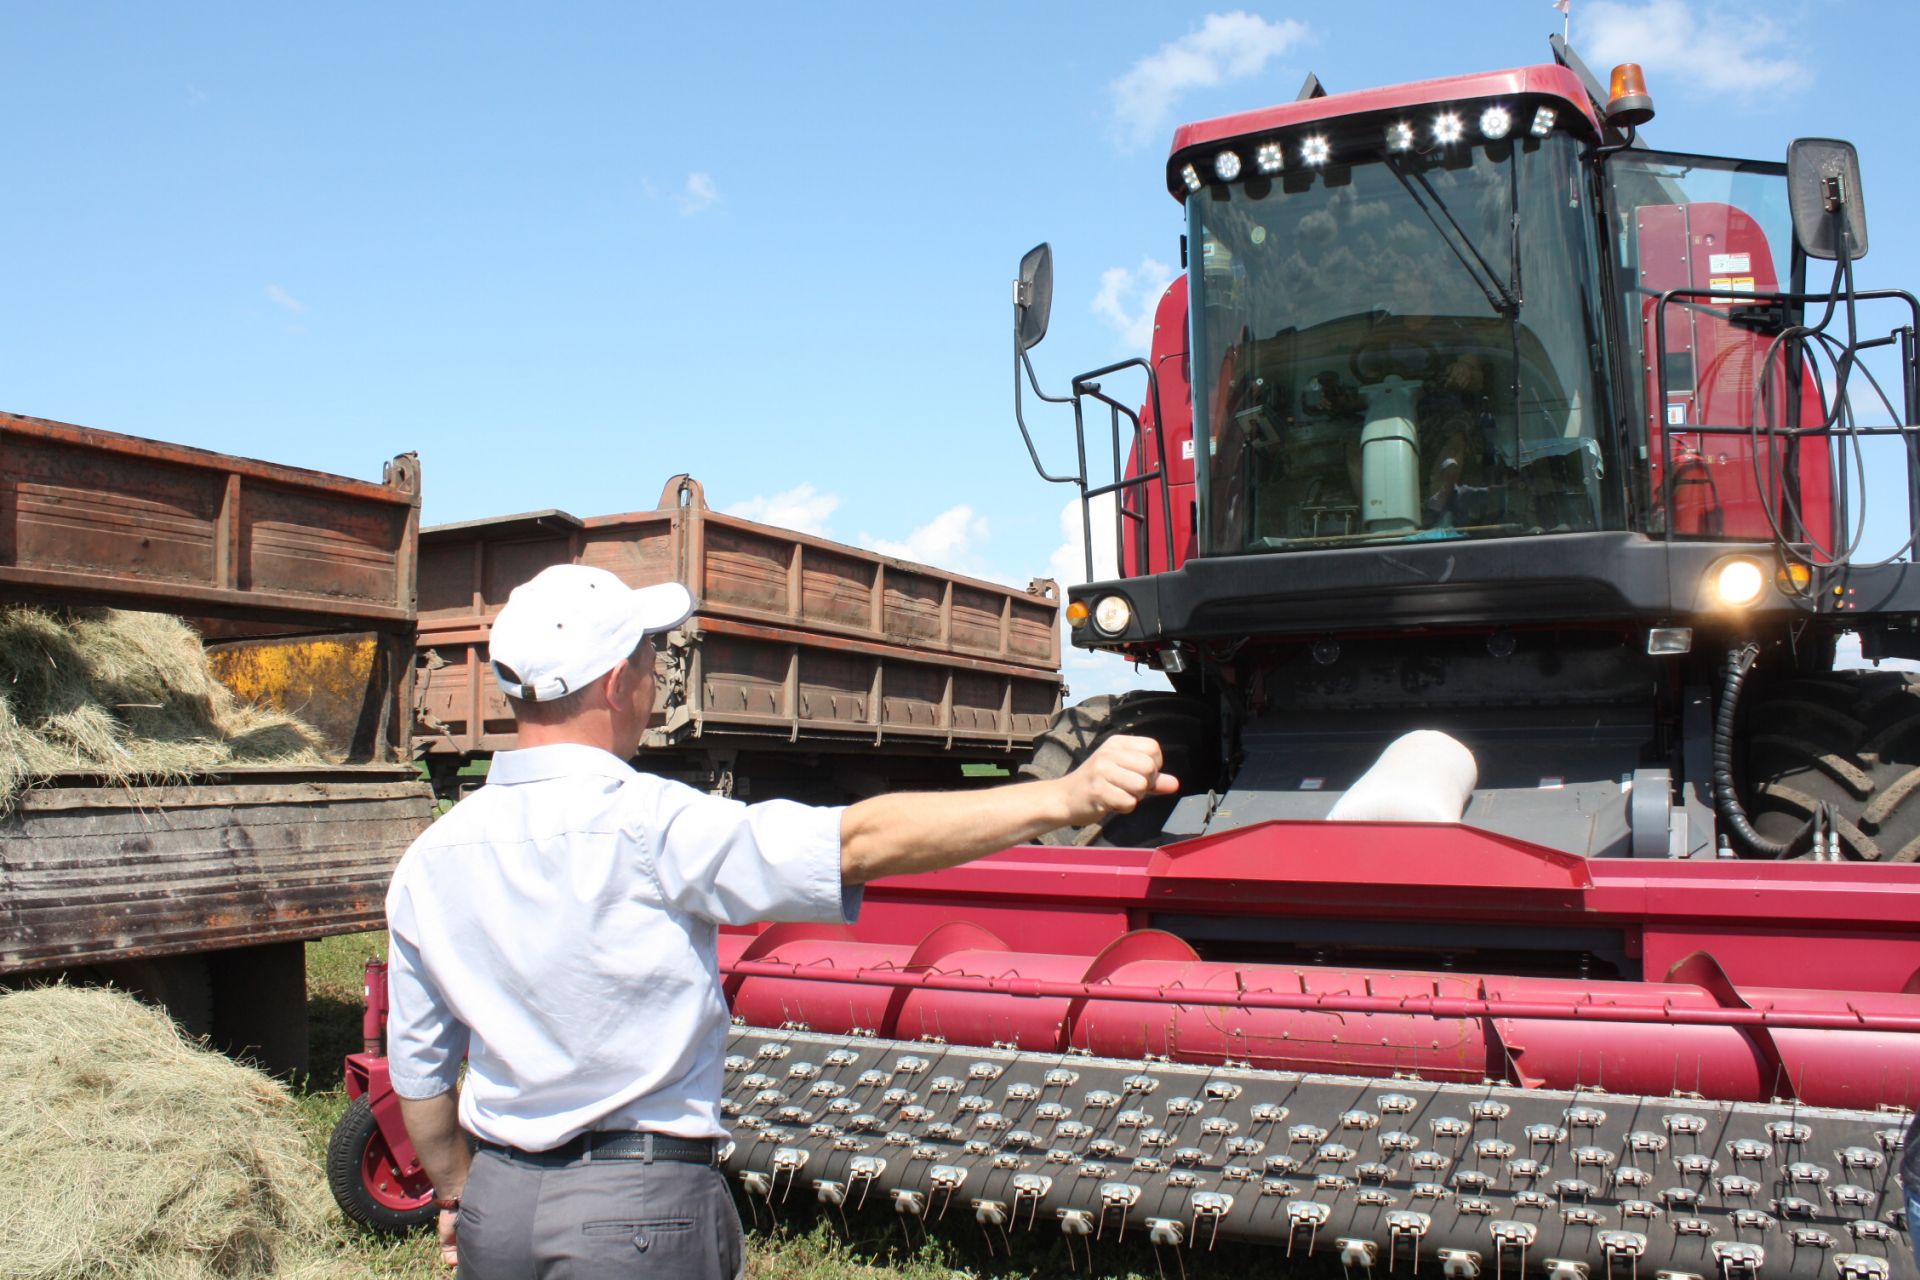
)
(1726, 799)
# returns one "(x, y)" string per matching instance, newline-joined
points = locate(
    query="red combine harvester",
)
(1472, 415)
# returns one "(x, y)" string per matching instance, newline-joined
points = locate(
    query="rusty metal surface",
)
(331, 683)
(795, 638)
(97, 518)
(95, 874)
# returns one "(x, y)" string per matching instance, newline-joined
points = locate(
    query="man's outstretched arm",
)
(926, 830)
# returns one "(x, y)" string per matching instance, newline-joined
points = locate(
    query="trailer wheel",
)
(1850, 740)
(1184, 728)
(367, 1183)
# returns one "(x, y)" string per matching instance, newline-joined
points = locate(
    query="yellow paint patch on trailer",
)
(327, 681)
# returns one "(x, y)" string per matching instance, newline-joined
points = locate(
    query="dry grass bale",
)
(132, 1153)
(126, 696)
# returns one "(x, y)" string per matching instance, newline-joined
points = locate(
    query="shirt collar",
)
(560, 760)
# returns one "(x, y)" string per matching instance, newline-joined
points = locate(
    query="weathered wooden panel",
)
(95, 874)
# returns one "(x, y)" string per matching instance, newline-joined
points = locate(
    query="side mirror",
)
(1033, 296)
(1823, 188)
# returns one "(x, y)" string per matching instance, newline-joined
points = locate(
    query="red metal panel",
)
(1147, 995)
(1713, 379)
(1552, 81)
(1843, 926)
(1170, 429)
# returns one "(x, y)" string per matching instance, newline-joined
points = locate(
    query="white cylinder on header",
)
(1423, 776)
(1390, 457)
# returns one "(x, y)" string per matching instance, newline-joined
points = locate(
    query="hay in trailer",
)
(125, 696)
(133, 1153)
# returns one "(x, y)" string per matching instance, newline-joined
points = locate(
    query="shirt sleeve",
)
(426, 1044)
(735, 863)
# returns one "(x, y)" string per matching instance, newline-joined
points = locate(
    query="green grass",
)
(802, 1245)
(984, 771)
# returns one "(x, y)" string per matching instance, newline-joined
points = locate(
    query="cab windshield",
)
(1403, 348)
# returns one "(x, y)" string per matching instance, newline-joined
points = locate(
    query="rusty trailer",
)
(201, 894)
(806, 663)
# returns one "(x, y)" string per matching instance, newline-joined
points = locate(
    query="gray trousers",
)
(521, 1220)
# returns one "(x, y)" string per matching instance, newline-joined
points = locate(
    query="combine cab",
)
(1473, 416)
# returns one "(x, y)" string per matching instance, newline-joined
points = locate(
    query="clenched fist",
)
(1121, 771)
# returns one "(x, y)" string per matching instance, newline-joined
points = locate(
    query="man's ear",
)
(618, 681)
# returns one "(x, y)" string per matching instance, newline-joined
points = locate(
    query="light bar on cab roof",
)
(1448, 125)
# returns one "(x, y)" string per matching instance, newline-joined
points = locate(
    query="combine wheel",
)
(1850, 740)
(366, 1181)
(1182, 726)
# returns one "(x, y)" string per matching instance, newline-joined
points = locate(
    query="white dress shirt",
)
(557, 929)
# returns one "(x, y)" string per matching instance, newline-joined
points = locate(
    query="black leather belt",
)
(588, 1147)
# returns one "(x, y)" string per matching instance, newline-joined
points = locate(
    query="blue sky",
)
(565, 252)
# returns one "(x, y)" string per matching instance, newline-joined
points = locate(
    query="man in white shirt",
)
(556, 932)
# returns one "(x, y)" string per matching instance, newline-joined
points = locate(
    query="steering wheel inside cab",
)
(1387, 354)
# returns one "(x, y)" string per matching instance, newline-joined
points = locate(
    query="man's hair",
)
(549, 711)
(565, 707)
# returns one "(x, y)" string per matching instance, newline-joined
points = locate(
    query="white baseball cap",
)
(570, 624)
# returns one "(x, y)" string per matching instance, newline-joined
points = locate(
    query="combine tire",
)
(1850, 740)
(1188, 742)
(367, 1182)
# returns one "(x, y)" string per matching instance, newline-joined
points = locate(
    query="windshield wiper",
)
(1499, 296)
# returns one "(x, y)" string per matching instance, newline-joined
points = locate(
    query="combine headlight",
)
(1543, 121)
(1400, 136)
(1271, 157)
(1316, 150)
(1111, 614)
(1738, 581)
(1190, 176)
(1226, 166)
(1447, 128)
(1496, 123)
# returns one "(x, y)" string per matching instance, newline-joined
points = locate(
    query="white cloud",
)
(1738, 51)
(1227, 46)
(282, 298)
(1089, 673)
(699, 195)
(1847, 657)
(948, 541)
(1068, 563)
(801, 508)
(1127, 298)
